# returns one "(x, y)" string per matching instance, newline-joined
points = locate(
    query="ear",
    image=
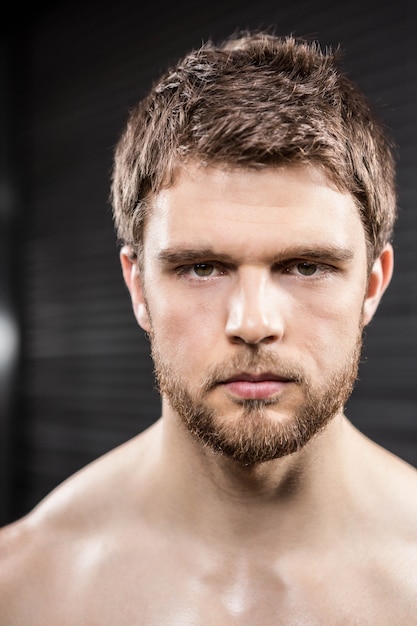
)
(134, 283)
(379, 280)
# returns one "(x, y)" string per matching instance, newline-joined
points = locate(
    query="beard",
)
(255, 436)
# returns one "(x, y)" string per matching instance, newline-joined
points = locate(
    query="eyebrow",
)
(330, 253)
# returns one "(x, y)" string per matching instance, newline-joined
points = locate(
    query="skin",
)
(164, 531)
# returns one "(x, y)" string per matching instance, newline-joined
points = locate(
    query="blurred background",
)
(75, 373)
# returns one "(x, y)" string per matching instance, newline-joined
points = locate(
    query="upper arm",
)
(21, 572)
(13, 563)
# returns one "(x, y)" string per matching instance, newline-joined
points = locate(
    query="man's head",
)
(255, 198)
(253, 101)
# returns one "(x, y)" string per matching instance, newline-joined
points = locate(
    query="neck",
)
(212, 491)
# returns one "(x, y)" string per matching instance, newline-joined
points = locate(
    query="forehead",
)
(248, 208)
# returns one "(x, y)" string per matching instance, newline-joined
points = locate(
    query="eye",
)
(203, 270)
(198, 272)
(307, 269)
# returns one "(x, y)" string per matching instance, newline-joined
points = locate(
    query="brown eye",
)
(203, 269)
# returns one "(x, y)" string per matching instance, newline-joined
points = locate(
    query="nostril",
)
(252, 339)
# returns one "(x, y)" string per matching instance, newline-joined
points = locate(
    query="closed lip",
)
(256, 378)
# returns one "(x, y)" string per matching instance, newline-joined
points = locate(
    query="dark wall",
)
(86, 381)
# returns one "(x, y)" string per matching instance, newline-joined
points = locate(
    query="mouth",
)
(261, 386)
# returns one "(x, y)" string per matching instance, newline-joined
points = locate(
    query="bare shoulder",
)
(23, 570)
(397, 481)
(392, 491)
(398, 513)
(14, 551)
(383, 475)
(388, 492)
(44, 553)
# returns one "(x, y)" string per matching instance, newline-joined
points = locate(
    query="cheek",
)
(186, 333)
(330, 332)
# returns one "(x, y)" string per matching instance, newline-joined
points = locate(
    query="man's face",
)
(252, 290)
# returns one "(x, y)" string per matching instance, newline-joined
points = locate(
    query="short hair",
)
(256, 100)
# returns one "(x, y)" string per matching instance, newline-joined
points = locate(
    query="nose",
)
(254, 315)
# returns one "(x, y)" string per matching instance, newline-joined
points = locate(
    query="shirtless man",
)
(253, 195)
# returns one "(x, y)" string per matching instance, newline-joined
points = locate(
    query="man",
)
(253, 194)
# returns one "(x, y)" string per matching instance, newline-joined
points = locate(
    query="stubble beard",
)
(258, 433)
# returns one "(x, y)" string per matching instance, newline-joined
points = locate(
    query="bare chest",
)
(180, 588)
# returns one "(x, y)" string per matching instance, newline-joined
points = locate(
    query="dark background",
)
(75, 372)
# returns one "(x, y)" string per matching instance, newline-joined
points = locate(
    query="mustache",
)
(256, 362)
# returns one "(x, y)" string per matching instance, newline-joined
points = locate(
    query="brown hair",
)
(256, 100)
